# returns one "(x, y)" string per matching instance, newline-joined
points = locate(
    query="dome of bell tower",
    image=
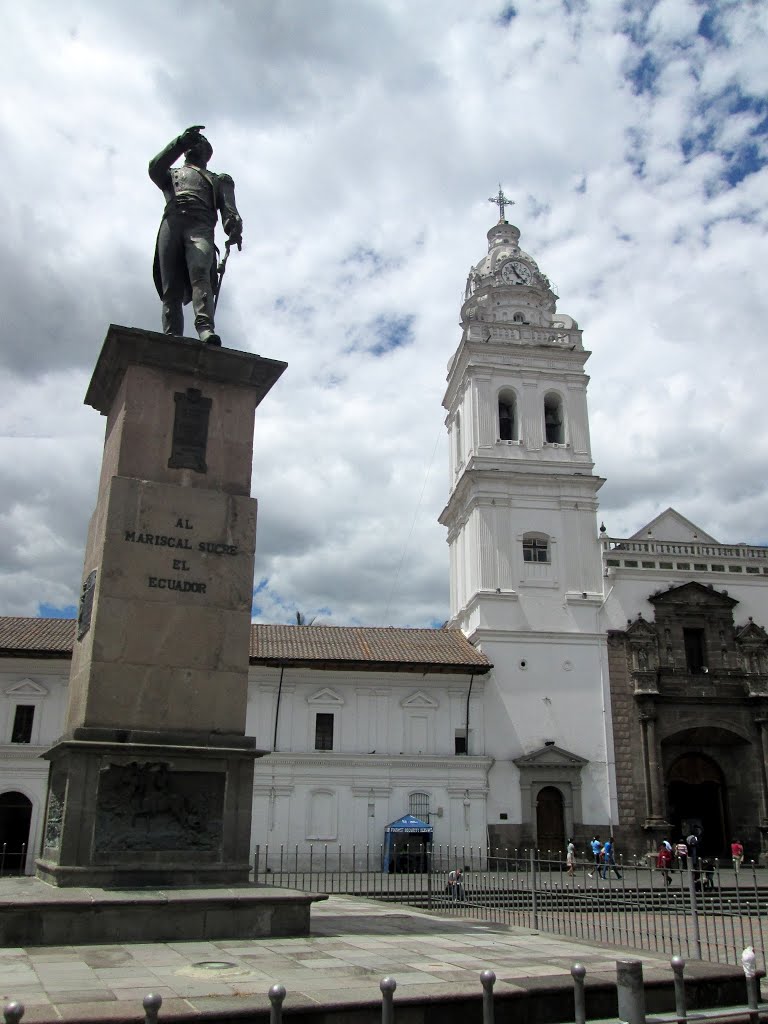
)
(507, 286)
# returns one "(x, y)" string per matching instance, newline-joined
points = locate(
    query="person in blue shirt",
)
(597, 847)
(608, 859)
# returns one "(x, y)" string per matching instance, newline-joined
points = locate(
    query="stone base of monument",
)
(148, 809)
(35, 914)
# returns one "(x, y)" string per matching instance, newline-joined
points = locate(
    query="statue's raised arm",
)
(185, 254)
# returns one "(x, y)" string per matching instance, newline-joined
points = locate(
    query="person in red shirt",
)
(664, 861)
(737, 852)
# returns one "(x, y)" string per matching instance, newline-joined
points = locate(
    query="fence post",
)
(748, 962)
(678, 966)
(276, 997)
(429, 878)
(488, 980)
(13, 1012)
(256, 864)
(630, 991)
(534, 899)
(579, 998)
(151, 1004)
(694, 913)
(387, 986)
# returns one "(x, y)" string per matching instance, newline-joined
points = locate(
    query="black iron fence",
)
(707, 911)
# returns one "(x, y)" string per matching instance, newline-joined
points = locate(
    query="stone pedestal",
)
(152, 782)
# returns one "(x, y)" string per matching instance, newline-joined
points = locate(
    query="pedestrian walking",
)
(681, 852)
(664, 861)
(737, 852)
(570, 856)
(609, 859)
(693, 848)
(597, 848)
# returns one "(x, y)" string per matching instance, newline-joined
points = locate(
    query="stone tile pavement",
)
(353, 944)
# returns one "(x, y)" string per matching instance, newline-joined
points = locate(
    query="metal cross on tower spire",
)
(501, 201)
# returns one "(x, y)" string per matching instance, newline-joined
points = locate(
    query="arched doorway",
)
(697, 801)
(15, 816)
(550, 820)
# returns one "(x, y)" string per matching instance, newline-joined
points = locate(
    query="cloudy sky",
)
(365, 137)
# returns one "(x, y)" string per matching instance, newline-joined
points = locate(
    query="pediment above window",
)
(419, 700)
(550, 756)
(326, 696)
(26, 688)
(693, 594)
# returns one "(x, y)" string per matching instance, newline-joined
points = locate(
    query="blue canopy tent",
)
(407, 825)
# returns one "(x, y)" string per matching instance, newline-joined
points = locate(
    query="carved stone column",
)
(761, 720)
(654, 809)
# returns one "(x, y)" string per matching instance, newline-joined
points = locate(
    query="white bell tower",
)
(526, 572)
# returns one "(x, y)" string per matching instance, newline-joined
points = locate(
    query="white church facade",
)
(584, 684)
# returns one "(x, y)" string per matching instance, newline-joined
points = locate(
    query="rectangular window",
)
(734, 568)
(460, 742)
(683, 565)
(324, 731)
(753, 569)
(695, 650)
(22, 723)
(535, 550)
(649, 565)
(718, 568)
(630, 563)
(700, 566)
(665, 565)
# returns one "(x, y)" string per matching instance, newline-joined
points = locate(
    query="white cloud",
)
(364, 140)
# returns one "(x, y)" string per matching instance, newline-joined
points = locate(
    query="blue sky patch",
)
(50, 611)
(391, 332)
(644, 74)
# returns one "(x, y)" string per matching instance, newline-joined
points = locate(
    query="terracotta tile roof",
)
(363, 647)
(44, 638)
(436, 650)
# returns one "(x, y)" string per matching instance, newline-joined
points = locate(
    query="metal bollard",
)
(678, 966)
(488, 980)
(276, 997)
(13, 1012)
(630, 991)
(578, 972)
(387, 986)
(152, 1004)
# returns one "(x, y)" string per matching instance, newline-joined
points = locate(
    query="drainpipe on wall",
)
(469, 694)
(277, 706)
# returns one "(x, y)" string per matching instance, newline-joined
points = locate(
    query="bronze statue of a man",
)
(185, 255)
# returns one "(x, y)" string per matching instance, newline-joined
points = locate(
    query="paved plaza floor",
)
(353, 944)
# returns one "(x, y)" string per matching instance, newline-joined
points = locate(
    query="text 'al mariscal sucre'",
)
(161, 540)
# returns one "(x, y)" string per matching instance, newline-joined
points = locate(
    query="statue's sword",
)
(222, 268)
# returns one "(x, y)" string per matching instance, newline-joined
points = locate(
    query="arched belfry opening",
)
(15, 817)
(508, 421)
(554, 420)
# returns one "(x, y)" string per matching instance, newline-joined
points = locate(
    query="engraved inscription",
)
(190, 431)
(144, 806)
(86, 605)
(181, 544)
